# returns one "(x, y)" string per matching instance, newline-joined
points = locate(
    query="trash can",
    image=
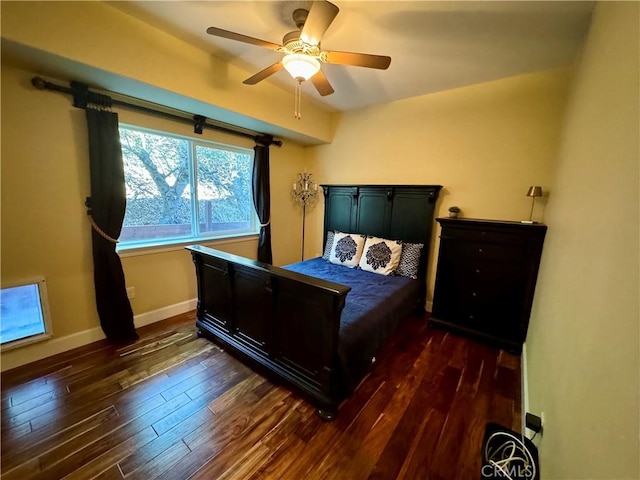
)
(508, 455)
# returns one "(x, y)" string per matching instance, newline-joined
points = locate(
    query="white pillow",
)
(381, 255)
(347, 249)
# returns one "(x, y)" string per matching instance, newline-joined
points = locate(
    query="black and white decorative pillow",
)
(380, 255)
(409, 260)
(347, 249)
(329, 245)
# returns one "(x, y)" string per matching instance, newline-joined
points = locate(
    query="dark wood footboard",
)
(282, 322)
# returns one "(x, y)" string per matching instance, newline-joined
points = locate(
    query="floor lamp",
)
(305, 192)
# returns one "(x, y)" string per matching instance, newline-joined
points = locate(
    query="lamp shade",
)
(534, 191)
(301, 67)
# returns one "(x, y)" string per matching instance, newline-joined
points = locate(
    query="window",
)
(180, 189)
(24, 313)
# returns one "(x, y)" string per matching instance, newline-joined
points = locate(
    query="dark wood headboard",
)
(396, 212)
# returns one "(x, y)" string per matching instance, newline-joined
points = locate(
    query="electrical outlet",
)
(533, 422)
(131, 292)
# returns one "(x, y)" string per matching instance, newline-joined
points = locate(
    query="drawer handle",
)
(471, 317)
(477, 270)
(480, 250)
(474, 294)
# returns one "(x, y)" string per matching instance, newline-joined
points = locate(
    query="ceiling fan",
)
(302, 51)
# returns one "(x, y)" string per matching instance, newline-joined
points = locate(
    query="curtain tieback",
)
(100, 231)
(262, 225)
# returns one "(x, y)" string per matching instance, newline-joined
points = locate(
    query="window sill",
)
(25, 341)
(137, 250)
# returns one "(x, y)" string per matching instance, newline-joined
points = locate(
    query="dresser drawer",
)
(487, 253)
(485, 235)
(482, 262)
(501, 297)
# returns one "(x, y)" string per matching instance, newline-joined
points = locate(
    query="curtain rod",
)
(82, 96)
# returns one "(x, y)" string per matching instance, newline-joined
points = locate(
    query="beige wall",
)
(582, 348)
(486, 144)
(45, 231)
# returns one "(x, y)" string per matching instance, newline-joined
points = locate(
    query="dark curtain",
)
(262, 196)
(106, 209)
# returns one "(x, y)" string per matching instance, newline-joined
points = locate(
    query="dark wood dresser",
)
(486, 277)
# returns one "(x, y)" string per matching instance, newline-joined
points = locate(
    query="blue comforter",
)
(373, 308)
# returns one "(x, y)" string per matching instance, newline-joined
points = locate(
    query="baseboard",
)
(165, 312)
(525, 389)
(38, 351)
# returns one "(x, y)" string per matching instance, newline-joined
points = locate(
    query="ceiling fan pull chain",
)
(297, 101)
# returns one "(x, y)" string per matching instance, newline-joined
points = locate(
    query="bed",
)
(316, 326)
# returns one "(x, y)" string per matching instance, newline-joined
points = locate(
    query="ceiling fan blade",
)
(359, 59)
(218, 32)
(322, 84)
(320, 17)
(262, 74)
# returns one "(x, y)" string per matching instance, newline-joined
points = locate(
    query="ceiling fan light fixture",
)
(301, 67)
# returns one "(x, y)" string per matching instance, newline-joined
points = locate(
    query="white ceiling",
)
(434, 46)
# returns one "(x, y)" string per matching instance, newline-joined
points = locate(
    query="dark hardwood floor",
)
(175, 406)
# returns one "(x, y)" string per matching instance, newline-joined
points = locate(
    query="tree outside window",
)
(179, 188)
